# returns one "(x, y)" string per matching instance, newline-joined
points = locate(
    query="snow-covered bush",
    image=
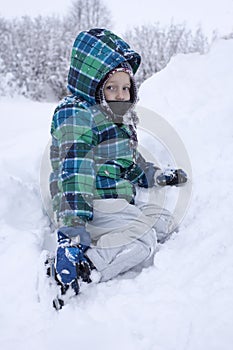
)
(35, 52)
(157, 44)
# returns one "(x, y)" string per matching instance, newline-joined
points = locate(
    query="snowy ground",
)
(183, 302)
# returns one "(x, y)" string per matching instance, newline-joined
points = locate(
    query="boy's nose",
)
(120, 95)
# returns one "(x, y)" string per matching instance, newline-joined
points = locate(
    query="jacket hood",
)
(95, 53)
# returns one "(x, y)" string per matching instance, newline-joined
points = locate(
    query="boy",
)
(96, 167)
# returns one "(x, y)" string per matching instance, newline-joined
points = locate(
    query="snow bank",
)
(185, 300)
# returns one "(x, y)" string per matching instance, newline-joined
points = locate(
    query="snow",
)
(185, 300)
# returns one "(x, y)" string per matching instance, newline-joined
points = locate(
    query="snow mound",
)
(185, 300)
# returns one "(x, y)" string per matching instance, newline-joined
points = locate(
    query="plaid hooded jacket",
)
(91, 156)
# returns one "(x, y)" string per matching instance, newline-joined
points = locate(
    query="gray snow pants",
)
(124, 236)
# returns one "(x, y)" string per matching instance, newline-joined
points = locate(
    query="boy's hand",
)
(172, 177)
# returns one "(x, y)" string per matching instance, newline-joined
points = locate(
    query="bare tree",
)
(7, 81)
(86, 14)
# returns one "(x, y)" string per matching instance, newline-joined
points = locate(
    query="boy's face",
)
(117, 87)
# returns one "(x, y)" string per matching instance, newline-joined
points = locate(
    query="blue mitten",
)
(72, 243)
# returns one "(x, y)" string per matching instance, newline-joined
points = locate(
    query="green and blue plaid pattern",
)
(94, 54)
(91, 156)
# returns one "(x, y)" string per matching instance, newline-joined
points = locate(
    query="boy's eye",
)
(111, 87)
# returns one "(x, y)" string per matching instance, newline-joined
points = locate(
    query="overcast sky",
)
(210, 14)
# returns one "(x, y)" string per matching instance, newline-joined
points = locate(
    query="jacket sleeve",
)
(149, 170)
(138, 172)
(72, 181)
